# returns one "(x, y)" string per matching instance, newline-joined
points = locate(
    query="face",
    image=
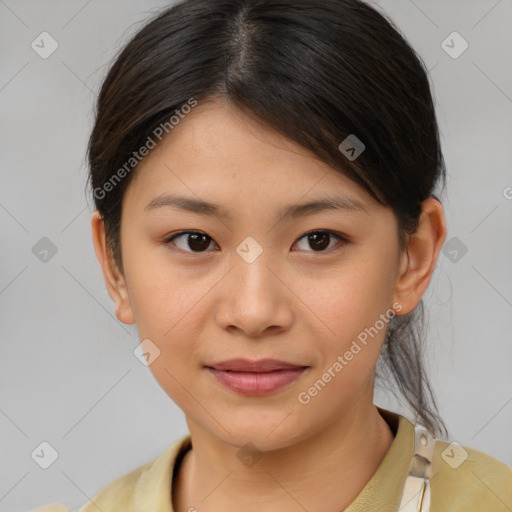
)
(314, 288)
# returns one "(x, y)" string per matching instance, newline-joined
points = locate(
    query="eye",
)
(197, 241)
(319, 240)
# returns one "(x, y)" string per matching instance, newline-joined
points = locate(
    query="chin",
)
(263, 435)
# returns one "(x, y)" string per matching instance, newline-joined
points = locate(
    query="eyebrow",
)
(293, 211)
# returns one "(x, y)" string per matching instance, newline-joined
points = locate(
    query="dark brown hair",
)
(317, 72)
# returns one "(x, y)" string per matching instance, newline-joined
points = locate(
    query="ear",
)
(417, 264)
(114, 279)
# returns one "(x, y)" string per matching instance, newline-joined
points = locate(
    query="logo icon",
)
(352, 147)
(249, 250)
(454, 249)
(44, 250)
(454, 45)
(454, 455)
(146, 352)
(249, 455)
(44, 455)
(44, 45)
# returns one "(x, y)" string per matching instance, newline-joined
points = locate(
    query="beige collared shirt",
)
(475, 482)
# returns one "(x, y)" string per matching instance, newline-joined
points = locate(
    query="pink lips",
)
(255, 378)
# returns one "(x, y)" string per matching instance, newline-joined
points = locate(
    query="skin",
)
(293, 303)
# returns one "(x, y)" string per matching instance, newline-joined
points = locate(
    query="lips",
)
(256, 378)
(261, 366)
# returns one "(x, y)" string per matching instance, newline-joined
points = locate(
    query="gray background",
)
(67, 372)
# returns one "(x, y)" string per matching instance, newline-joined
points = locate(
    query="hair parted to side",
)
(315, 71)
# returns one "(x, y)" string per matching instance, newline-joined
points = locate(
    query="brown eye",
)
(320, 240)
(194, 241)
(197, 242)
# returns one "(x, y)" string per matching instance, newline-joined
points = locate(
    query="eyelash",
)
(343, 239)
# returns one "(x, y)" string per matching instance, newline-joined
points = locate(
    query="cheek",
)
(354, 307)
(161, 294)
(169, 309)
(347, 303)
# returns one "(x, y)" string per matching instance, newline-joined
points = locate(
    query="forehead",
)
(218, 149)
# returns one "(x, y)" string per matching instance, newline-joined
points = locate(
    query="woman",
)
(264, 174)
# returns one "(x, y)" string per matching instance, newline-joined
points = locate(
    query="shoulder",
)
(119, 492)
(146, 485)
(116, 493)
(469, 480)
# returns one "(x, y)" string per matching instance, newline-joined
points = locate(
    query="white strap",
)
(416, 495)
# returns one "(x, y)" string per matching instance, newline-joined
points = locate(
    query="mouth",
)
(260, 366)
(256, 378)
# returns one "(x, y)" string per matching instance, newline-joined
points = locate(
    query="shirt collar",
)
(152, 490)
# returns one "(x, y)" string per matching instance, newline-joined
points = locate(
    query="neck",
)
(334, 464)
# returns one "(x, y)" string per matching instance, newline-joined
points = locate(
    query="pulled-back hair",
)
(316, 71)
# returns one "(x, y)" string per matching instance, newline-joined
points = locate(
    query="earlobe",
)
(114, 279)
(418, 263)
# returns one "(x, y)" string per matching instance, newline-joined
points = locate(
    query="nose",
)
(255, 299)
